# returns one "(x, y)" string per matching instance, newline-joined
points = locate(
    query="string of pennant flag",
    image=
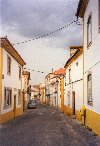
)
(59, 29)
(84, 72)
(34, 70)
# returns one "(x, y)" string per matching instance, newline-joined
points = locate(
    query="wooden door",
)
(73, 102)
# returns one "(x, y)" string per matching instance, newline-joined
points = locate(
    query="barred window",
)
(19, 72)
(8, 65)
(89, 89)
(89, 31)
(7, 97)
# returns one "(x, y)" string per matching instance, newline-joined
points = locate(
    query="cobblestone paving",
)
(45, 126)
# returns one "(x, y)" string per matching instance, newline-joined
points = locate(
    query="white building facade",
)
(34, 92)
(48, 90)
(11, 83)
(54, 93)
(89, 11)
(74, 84)
(26, 87)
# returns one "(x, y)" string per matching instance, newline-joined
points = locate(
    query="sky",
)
(23, 20)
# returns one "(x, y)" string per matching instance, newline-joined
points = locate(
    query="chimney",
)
(73, 49)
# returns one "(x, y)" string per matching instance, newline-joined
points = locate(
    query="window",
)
(19, 96)
(69, 75)
(68, 95)
(77, 64)
(7, 97)
(99, 13)
(89, 89)
(19, 72)
(89, 31)
(8, 65)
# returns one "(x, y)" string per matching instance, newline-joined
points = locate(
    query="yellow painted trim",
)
(67, 110)
(1, 67)
(10, 115)
(6, 117)
(83, 62)
(19, 111)
(22, 104)
(78, 115)
(93, 121)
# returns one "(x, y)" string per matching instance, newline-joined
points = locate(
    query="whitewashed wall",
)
(32, 95)
(92, 55)
(76, 74)
(34, 92)
(11, 81)
(59, 93)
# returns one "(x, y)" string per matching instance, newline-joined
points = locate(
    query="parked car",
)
(31, 104)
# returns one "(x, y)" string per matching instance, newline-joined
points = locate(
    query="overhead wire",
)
(47, 34)
(44, 35)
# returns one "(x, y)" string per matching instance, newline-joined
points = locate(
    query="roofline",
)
(81, 8)
(76, 47)
(33, 91)
(57, 76)
(10, 45)
(59, 73)
(48, 74)
(35, 86)
(75, 56)
(25, 73)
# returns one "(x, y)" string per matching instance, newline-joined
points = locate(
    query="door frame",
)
(23, 95)
(14, 105)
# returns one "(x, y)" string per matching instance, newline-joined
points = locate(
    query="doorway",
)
(55, 101)
(23, 95)
(73, 102)
(14, 105)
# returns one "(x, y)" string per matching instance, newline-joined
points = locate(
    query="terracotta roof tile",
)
(60, 71)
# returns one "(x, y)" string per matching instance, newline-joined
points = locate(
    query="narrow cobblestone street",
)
(45, 126)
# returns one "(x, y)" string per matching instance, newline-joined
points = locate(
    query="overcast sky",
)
(26, 19)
